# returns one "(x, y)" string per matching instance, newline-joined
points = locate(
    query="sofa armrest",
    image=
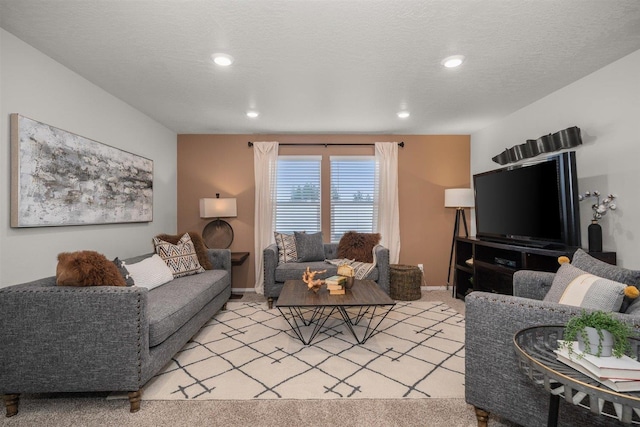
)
(61, 338)
(532, 284)
(493, 380)
(382, 262)
(220, 259)
(270, 254)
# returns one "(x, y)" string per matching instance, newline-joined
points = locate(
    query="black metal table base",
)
(554, 407)
(295, 317)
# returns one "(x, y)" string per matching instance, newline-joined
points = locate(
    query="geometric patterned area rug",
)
(250, 352)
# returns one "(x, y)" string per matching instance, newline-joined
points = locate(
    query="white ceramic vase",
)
(594, 340)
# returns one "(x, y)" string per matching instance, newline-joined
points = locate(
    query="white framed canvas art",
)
(59, 178)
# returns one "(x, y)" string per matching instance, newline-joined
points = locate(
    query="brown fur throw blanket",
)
(198, 244)
(87, 268)
(358, 246)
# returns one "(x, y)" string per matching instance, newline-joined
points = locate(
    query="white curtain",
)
(265, 160)
(388, 217)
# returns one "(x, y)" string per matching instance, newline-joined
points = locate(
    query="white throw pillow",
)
(150, 272)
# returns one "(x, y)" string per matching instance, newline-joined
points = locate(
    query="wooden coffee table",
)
(303, 308)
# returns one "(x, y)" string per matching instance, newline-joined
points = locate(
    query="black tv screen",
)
(533, 204)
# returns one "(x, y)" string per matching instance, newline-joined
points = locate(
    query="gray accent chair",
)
(276, 274)
(101, 338)
(493, 381)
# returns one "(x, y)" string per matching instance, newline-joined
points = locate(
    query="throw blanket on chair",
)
(361, 269)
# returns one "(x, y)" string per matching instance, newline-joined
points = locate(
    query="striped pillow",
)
(572, 286)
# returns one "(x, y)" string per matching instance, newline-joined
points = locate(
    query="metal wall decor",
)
(566, 138)
(59, 178)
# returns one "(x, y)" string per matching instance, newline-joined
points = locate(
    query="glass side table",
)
(534, 348)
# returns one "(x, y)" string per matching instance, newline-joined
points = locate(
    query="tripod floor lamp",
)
(458, 198)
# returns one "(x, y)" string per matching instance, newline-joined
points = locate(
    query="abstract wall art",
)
(59, 178)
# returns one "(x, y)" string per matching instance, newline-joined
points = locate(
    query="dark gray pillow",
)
(309, 246)
(584, 261)
(124, 272)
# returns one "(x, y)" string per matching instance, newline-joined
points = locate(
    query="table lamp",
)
(218, 234)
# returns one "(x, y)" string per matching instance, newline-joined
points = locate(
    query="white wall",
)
(36, 86)
(605, 105)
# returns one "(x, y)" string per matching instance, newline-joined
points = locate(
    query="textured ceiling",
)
(332, 66)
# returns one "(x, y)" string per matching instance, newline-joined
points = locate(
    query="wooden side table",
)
(237, 258)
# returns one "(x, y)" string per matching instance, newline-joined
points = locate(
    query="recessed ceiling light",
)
(403, 114)
(453, 61)
(252, 114)
(222, 59)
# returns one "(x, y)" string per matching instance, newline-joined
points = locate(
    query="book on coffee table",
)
(613, 383)
(335, 280)
(614, 368)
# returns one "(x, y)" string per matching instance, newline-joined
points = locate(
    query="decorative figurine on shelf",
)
(308, 277)
(600, 209)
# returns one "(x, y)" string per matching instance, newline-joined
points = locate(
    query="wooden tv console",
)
(494, 264)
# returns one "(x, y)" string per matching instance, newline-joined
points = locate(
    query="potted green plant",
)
(598, 333)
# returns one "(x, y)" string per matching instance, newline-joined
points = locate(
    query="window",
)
(353, 195)
(298, 194)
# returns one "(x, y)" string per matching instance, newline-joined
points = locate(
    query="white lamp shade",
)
(218, 208)
(458, 198)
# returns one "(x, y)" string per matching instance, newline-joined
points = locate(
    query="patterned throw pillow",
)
(181, 258)
(287, 251)
(572, 286)
(198, 244)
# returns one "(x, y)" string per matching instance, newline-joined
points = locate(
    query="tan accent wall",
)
(428, 164)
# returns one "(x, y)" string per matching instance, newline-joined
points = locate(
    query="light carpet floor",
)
(94, 410)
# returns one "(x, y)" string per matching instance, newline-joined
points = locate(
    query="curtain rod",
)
(325, 145)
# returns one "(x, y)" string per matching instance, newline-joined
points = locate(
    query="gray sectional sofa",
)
(493, 381)
(276, 274)
(102, 338)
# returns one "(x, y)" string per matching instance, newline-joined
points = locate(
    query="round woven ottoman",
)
(405, 282)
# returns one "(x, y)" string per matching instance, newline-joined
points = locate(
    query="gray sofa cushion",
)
(173, 304)
(291, 271)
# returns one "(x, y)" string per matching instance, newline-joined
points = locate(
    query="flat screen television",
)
(534, 204)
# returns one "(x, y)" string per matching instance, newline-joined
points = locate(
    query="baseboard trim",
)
(434, 288)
